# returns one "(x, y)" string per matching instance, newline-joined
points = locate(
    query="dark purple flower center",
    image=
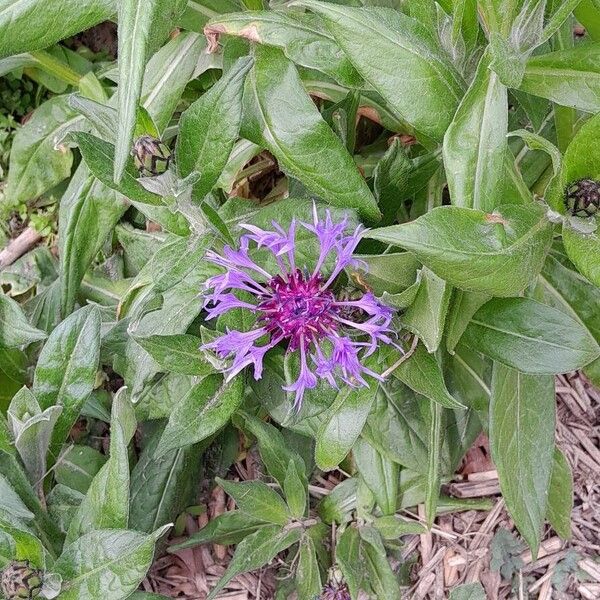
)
(299, 309)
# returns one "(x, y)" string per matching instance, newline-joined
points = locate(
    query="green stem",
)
(432, 492)
(56, 67)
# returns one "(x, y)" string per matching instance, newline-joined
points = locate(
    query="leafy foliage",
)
(458, 132)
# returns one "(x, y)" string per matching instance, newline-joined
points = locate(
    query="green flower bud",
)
(21, 580)
(151, 156)
(582, 198)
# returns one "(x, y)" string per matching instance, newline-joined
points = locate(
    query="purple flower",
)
(298, 307)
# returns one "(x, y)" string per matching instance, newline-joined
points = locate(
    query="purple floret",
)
(298, 307)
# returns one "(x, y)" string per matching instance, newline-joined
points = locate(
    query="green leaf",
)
(568, 291)
(255, 551)
(584, 250)
(522, 419)
(422, 374)
(380, 575)
(468, 591)
(66, 371)
(180, 306)
(396, 39)
(560, 496)
(387, 273)
(294, 490)
(342, 425)
(426, 316)
(63, 503)
(392, 528)
(177, 353)
(463, 305)
(206, 408)
(99, 156)
(176, 260)
(109, 559)
(258, 500)
(78, 466)
(32, 430)
(308, 577)
(295, 133)
(530, 336)
(496, 253)
(106, 504)
(27, 545)
(39, 159)
(568, 77)
(301, 37)
(15, 330)
(379, 473)
(209, 128)
(167, 74)
(143, 26)
(397, 177)
(229, 528)
(161, 488)
(274, 451)
(475, 143)
(347, 555)
(397, 427)
(11, 503)
(88, 213)
(27, 25)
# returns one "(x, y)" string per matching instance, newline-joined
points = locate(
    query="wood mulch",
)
(459, 547)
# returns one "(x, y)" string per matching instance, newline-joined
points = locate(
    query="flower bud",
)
(335, 588)
(582, 198)
(21, 580)
(151, 156)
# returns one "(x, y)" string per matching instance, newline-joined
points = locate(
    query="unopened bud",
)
(151, 156)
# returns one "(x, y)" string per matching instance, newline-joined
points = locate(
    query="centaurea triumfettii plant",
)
(298, 306)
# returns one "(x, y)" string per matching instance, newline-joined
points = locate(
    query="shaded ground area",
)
(463, 547)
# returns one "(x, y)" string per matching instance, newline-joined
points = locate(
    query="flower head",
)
(297, 306)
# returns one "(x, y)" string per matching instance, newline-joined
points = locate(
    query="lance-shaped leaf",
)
(302, 38)
(161, 488)
(422, 373)
(257, 550)
(89, 211)
(39, 158)
(66, 371)
(497, 253)
(568, 291)
(143, 25)
(228, 528)
(109, 559)
(167, 74)
(568, 77)
(475, 143)
(343, 424)
(106, 504)
(402, 62)
(531, 337)
(32, 429)
(210, 127)
(27, 25)
(206, 408)
(379, 473)
(522, 413)
(258, 500)
(296, 134)
(560, 496)
(15, 330)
